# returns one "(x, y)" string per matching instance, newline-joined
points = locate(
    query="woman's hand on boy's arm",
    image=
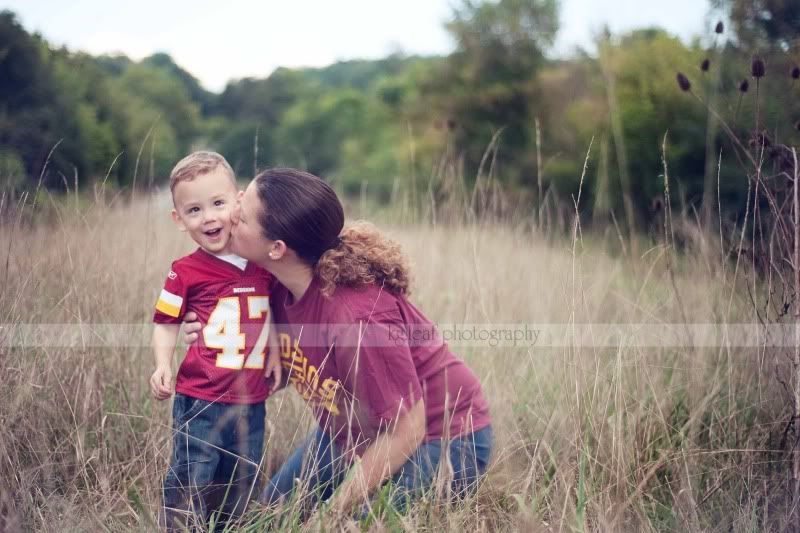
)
(191, 327)
(274, 369)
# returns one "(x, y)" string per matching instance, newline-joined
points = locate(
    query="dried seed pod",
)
(720, 27)
(757, 68)
(705, 65)
(683, 82)
(744, 85)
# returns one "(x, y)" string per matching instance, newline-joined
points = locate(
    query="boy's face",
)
(203, 208)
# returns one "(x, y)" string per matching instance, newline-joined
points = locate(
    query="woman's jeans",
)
(216, 449)
(320, 468)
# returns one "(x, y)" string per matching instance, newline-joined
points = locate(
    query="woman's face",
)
(247, 238)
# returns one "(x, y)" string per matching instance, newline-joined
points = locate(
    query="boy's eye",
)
(193, 210)
(219, 203)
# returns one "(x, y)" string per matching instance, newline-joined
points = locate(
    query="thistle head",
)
(743, 86)
(683, 82)
(795, 72)
(704, 66)
(720, 27)
(757, 68)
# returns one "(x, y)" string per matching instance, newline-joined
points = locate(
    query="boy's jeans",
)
(215, 453)
(319, 466)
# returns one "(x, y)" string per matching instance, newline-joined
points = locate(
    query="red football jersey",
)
(226, 364)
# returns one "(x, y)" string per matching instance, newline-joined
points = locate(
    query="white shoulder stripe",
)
(171, 299)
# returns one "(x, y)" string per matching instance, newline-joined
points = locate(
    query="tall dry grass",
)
(616, 439)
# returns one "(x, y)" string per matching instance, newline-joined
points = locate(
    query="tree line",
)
(495, 105)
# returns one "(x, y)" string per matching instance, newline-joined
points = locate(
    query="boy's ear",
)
(178, 221)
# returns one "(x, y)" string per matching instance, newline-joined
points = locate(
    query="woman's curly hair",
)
(363, 256)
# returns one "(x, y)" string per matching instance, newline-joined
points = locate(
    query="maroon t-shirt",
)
(365, 355)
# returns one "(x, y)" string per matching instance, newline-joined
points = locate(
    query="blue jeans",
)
(216, 449)
(321, 468)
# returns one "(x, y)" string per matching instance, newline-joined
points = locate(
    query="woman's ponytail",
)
(364, 256)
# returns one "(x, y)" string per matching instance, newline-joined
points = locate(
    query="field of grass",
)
(620, 438)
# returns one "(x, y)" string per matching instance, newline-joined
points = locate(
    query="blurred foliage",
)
(490, 81)
(394, 123)
(764, 23)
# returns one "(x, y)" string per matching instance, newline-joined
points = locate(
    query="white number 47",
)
(224, 332)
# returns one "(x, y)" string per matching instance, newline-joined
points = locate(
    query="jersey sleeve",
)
(171, 304)
(378, 365)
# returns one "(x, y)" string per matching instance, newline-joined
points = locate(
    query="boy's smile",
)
(203, 209)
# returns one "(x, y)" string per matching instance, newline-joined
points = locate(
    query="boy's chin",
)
(218, 248)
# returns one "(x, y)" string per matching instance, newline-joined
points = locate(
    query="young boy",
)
(218, 410)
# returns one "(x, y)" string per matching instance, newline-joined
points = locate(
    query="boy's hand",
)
(191, 327)
(161, 383)
(274, 368)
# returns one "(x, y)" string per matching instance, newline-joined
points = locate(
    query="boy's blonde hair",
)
(197, 164)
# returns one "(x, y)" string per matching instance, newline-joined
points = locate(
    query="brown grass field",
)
(610, 438)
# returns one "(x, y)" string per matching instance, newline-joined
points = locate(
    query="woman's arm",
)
(385, 383)
(382, 458)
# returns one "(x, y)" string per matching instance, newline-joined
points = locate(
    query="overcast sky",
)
(219, 41)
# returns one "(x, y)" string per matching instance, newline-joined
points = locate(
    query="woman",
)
(389, 396)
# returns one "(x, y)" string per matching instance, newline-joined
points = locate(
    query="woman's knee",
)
(313, 466)
(417, 473)
(469, 457)
(281, 484)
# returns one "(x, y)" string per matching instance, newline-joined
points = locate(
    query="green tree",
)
(650, 106)
(313, 130)
(92, 109)
(27, 118)
(251, 109)
(197, 94)
(157, 119)
(764, 23)
(489, 82)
